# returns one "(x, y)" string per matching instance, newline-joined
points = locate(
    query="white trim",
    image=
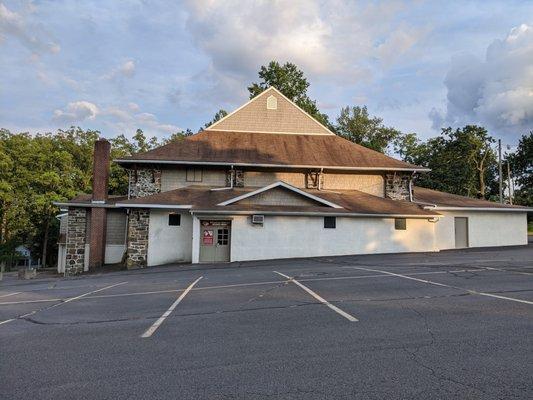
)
(445, 208)
(84, 205)
(273, 132)
(288, 166)
(313, 213)
(270, 89)
(275, 185)
(164, 206)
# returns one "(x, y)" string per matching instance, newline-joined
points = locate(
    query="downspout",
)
(232, 173)
(411, 187)
(320, 178)
(129, 182)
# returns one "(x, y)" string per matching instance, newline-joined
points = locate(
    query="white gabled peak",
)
(284, 185)
(270, 112)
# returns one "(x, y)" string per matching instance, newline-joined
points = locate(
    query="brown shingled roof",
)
(443, 199)
(353, 202)
(253, 148)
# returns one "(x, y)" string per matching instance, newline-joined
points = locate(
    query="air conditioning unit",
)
(258, 219)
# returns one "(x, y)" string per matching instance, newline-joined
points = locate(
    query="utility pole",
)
(500, 168)
(509, 182)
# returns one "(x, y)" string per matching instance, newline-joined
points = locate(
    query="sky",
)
(164, 66)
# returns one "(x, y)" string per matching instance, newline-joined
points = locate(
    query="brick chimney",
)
(97, 236)
(100, 169)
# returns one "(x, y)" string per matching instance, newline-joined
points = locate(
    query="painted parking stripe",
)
(447, 286)
(236, 285)
(9, 294)
(162, 318)
(320, 299)
(62, 302)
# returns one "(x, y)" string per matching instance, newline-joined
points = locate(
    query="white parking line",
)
(162, 318)
(10, 294)
(320, 299)
(63, 302)
(236, 285)
(444, 285)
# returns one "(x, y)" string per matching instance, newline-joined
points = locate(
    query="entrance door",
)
(215, 239)
(461, 232)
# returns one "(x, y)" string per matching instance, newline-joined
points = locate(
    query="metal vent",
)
(258, 219)
(272, 103)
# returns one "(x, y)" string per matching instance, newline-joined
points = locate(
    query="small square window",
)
(400, 224)
(330, 222)
(193, 175)
(174, 219)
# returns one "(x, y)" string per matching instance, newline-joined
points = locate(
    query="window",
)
(174, 219)
(330, 222)
(400, 224)
(193, 175)
(223, 237)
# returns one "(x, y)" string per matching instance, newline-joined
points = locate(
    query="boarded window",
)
(400, 224)
(174, 219)
(193, 175)
(330, 222)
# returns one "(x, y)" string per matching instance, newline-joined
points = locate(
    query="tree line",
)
(36, 170)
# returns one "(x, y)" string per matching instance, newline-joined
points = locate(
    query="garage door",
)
(461, 232)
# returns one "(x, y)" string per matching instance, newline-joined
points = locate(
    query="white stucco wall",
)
(284, 237)
(167, 244)
(484, 228)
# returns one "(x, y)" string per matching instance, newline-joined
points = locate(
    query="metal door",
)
(461, 232)
(215, 239)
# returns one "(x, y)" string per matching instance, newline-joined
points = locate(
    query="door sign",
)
(207, 238)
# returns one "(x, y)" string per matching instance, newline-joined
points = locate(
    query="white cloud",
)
(116, 119)
(496, 91)
(125, 70)
(77, 111)
(30, 35)
(341, 39)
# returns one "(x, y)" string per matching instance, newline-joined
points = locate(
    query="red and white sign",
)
(207, 238)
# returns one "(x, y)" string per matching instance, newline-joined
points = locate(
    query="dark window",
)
(330, 222)
(174, 219)
(223, 237)
(400, 224)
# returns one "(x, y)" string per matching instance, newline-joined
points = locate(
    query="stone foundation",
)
(144, 182)
(76, 233)
(138, 221)
(397, 186)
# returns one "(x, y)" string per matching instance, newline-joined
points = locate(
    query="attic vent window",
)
(272, 103)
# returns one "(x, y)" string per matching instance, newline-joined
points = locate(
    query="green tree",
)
(462, 161)
(521, 162)
(356, 125)
(290, 81)
(218, 116)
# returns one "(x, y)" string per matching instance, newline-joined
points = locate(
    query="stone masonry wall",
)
(397, 186)
(138, 221)
(144, 182)
(76, 233)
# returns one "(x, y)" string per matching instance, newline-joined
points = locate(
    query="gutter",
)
(310, 213)
(215, 163)
(496, 209)
(84, 205)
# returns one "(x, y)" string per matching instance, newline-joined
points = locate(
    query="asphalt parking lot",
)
(454, 325)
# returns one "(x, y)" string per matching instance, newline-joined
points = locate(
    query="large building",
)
(268, 181)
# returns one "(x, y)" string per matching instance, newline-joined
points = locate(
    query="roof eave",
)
(260, 165)
(497, 209)
(313, 213)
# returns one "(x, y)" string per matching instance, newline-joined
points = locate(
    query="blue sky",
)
(165, 66)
